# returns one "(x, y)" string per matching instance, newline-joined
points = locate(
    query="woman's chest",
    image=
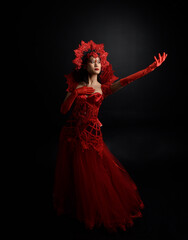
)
(97, 89)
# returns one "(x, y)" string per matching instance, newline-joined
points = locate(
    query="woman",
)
(90, 184)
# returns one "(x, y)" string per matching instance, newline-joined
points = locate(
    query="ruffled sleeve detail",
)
(107, 75)
(106, 89)
(72, 84)
(107, 78)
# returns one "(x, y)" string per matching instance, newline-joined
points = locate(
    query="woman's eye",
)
(97, 61)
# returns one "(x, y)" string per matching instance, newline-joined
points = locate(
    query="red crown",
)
(86, 50)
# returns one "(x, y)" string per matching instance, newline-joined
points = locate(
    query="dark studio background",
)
(144, 123)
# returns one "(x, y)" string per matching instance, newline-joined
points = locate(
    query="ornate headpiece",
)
(85, 50)
(82, 53)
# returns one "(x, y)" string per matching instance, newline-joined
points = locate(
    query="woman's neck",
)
(92, 79)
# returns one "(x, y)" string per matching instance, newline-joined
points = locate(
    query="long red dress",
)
(90, 183)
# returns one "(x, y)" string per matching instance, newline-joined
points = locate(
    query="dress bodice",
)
(83, 122)
(86, 108)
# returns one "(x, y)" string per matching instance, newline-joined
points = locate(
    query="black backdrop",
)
(143, 124)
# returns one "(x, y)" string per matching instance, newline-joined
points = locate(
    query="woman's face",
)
(93, 65)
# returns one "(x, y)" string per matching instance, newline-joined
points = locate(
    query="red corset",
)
(83, 123)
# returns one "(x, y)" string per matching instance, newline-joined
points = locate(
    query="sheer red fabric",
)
(90, 183)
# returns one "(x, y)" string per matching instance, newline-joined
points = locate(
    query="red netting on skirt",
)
(93, 189)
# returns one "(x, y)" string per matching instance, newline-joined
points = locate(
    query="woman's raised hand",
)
(159, 61)
(84, 90)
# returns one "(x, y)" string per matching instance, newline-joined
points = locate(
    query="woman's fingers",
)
(160, 58)
(155, 58)
(164, 56)
(85, 90)
(90, 90)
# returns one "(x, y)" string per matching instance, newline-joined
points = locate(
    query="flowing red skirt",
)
(97, 191)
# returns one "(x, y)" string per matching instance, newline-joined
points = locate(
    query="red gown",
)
(90, 183)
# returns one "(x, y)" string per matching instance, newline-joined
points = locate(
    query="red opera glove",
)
(139, 74)
(66, 105)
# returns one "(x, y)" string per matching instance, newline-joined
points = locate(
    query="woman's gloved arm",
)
(124, 81)
(69, 99)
